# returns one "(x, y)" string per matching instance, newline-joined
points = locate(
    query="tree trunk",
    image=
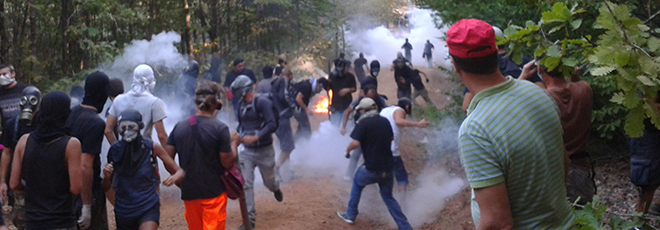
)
(4, 38)
(213, 25)
(186, 32)
(63, 26)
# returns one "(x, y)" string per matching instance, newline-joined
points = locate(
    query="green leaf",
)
(576, 23)
(602, 71)
(571, 61)
(554, 51)
(653, 43)
(529, 23)
(617, 98)
(622, 59)
(645, 80)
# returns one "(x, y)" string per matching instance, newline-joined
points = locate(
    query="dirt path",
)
(315, 193)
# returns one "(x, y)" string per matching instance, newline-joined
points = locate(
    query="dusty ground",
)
(312, 197)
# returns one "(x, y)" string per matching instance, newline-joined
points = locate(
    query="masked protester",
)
(16, 127)
(402, 76)
(47, 166)
(371, 79)
(186, 85)
(140, 99)
(239, 69)
(257, 122)
(359, 63)
(85, 124)
(197, 140)
(342, 84)
(10, 93)
(306, 90)
(132, 172)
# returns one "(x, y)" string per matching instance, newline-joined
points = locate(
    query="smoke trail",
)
(382, 44)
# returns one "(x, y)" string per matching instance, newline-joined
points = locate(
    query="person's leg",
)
(285, 136)
(99, 210)
(362, 178)
(18, 212)
(150, 219)
(247, 158)
(266, 163)
(400, 172)
(193, 214)
(416, 93)
(645, 198)
(214, 212)
(385, 184)
(124, 222)
(336, 117)
(353, 162)
(304, 127)
(425, 95)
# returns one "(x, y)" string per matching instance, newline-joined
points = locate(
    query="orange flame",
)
(323, 104)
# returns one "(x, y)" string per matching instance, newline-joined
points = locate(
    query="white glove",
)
(85, 219)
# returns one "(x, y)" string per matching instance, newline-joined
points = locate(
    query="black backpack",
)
(276, 113)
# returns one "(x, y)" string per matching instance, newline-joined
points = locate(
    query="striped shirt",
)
(513, 135)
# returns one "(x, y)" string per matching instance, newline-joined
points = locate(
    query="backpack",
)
(276, 113)
(287, 105)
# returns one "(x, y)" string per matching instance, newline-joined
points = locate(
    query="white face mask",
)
(151, 85)
(6, 79)
(129, 130)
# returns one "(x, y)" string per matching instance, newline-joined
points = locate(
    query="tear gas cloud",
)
(382, 44)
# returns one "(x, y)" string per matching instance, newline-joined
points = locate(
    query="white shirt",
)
(389, 114)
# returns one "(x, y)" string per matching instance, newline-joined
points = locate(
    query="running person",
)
(374, 136)
(306, 90)
(428, 53)
(205, 159)
(360, 64)
(396, 115)
(407, 47)
(131, 171)
(257, 122)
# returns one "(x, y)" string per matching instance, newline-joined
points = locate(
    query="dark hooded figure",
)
(47, 166)
(132, 172)
(86, 125)
(186, 85)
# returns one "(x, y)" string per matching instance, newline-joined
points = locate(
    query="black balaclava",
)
(96, 90)
(29, 102)
(192, 69)
(51, 117)
(128, 154)
(375, 68)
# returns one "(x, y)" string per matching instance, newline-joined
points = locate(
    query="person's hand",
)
(344, 92)
(348, 154)
(251, 139)
(528, 71)
(423, 123)
(108, 170)
(174, 179)
(3, 192)
(235, 138)
(342, 131)
(85, 219)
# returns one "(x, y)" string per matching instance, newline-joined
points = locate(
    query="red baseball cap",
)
(471, 38)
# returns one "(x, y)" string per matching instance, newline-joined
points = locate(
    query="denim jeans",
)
(364, 177)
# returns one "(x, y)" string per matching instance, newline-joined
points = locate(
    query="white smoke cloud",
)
(382, 44)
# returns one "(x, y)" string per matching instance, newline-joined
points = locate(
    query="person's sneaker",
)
(344, 217)
(242, 227)
(279, 196)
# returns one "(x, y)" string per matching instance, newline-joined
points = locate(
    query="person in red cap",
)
(511, 141)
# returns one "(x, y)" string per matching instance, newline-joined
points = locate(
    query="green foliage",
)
(592, 217)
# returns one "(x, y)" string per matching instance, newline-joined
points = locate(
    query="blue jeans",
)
(385, 180)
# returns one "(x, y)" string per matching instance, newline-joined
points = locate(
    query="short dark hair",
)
(7, 65)
(267, 72)
(280, 61)
(324, 82)
(482, 65)
(369, 88)
(115, 87)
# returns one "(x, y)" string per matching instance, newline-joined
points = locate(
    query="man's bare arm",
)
(5, 161)
(17, 163)
(494, 207)
(72, 158)
(160, 130)
(109, 129)
(87, 170)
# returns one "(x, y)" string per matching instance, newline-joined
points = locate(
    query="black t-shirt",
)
(10, 101)
(203, 167)
(86, 125)
(232, 75)
(359, 63)
(368, 81)
(10, 136)
(416, 80)
(305, 88)
(375, 137)
(337, 83)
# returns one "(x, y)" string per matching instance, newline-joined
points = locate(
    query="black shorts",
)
(134, 222)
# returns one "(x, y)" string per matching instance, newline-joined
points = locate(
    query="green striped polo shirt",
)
(513, 135)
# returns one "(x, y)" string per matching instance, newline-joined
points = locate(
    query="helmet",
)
(241, 86)
(498, 32)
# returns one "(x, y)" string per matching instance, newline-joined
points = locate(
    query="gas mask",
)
(151, 85)
(29, 102)
(129, 130)
(374, 72)
(6, 79)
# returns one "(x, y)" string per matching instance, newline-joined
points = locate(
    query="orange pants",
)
(206, 214)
